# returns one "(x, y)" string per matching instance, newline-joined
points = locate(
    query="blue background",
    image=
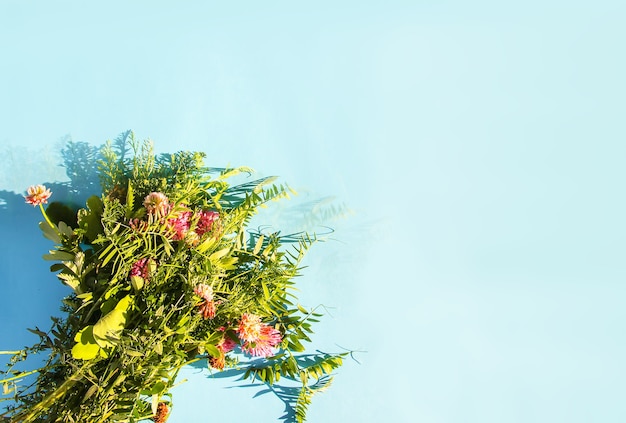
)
(477, 149)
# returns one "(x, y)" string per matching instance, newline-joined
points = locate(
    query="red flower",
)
(37, 194)
(225, 345)
(179, 225)
(142, 267)
(206, 220)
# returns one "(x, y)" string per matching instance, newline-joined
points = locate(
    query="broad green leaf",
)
(158, 387)
(137, 282)
(86, 347)
(49, 232)
(212, 350)
(219, 254)
(89, 219)
(59, 255)
(111, 324)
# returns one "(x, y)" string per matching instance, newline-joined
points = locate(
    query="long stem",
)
(21, 375)
(56, 395)
(45, 215)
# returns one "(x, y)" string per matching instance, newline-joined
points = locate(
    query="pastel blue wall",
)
(479, 145)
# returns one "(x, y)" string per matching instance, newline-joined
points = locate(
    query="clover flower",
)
(157, 204)
(207, 307)
(179, 225)
(141, 268)
(37, 195)
(206, 220)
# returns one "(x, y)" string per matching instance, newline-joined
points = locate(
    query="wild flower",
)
(141, 268)
(37, 194)
(259, 338)
(179, 225)
(207, 307)
(206, 221)
(264, 345)
(225, 345)
(249, 327)
(157, 204)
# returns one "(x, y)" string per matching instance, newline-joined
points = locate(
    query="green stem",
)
(21, 375)
(56, 395)
(45, 215)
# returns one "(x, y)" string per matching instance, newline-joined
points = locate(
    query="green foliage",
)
(164, 272)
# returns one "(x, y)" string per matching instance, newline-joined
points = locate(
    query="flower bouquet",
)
(164, 272)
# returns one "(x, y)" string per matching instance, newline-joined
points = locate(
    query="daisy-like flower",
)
(259, 338)
(249, 327)
(264, 345)
(206, 220)
(37, 194)
(157, 204)
(207, 307)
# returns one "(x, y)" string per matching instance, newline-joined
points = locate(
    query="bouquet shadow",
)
(288, 390)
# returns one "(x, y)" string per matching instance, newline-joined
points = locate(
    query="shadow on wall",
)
(31, 293)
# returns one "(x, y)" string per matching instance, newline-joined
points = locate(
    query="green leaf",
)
(206, 244)
(158, 387)
(110, 325)
(219, 254)
(86, 347)
(49, 233)
(258, 245)
(212, 350)
(137, 282)
(59, 256)
(89, 219)
(158, 348)
(130, 201)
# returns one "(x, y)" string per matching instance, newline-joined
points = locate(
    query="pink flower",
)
(141, 268)
(179, 225)
(157, 204)
(207, 307)
(249, 327)
(37, 194)
(259, 338)
(265, 343)
(206, 220)
(225, 345)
